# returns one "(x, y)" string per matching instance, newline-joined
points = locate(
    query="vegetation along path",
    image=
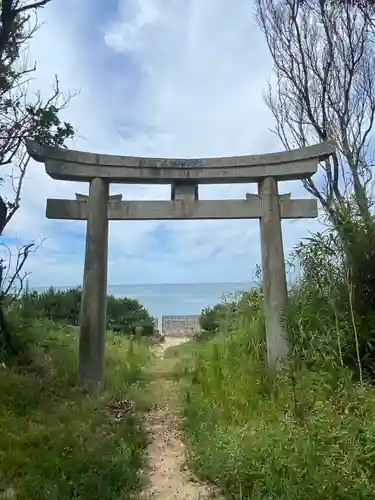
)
(169, 477)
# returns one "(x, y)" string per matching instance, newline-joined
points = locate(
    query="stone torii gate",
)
(184, 176)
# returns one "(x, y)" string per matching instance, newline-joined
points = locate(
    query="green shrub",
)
(333, 303)
(224, 316)
(63, 306)
(210, 318)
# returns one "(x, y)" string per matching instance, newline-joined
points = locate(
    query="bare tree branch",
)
(12, 274)
(22, 255)
(35, 5)
(324, 62)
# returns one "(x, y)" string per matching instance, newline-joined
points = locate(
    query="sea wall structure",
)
(180, 326)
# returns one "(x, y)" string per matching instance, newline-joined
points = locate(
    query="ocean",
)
(174, 298)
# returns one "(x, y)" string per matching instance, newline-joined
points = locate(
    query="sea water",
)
(174, 298)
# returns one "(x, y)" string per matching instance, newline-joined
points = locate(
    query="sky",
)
(164, 78)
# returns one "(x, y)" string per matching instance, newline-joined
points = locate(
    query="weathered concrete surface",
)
(282, 197)
(85, 197)
(182, 209)
(40, 153)
(94, 291)
(67, 164)
(188, 192)
(273, 271)
(157, 175)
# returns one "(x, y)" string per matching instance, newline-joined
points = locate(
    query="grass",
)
(306, 433)
(57, 442)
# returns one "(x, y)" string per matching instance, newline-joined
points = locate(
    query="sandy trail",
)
(169, 477)
(169, 342)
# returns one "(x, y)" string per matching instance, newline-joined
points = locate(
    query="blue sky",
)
(154, 78)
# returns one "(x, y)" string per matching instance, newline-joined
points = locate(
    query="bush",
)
(123, 314)
(210, 318)
(224, 316)
(335, 297)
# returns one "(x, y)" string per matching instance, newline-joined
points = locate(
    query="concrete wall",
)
(180, 326)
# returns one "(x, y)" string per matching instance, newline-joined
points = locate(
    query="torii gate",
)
(184, 176)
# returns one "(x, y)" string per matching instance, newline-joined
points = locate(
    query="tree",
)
(22, 116)
(324, 64)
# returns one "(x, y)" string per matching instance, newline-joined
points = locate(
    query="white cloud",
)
(128, 36)
(177, 78)
(203, 67)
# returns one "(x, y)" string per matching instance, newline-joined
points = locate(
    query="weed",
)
(307, 432)
(57, 443)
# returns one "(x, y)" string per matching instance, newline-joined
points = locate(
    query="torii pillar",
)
(275, 290)
(93, 320)
(94, 291)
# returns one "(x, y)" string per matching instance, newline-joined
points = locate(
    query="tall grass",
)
(307, 432)
(56, 442)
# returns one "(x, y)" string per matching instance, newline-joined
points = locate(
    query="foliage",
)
(224, 315)
(22, 116)
(307, 431)
(54, 439)
(210, 318)
(123, 314)
(336, 287)
(127, 314)
(324, 63)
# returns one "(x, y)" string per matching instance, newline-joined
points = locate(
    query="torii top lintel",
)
(69, 165)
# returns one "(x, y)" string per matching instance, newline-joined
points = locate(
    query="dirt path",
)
(169, 478)
(169, 342)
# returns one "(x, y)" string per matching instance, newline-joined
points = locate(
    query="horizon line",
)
(155, 284)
